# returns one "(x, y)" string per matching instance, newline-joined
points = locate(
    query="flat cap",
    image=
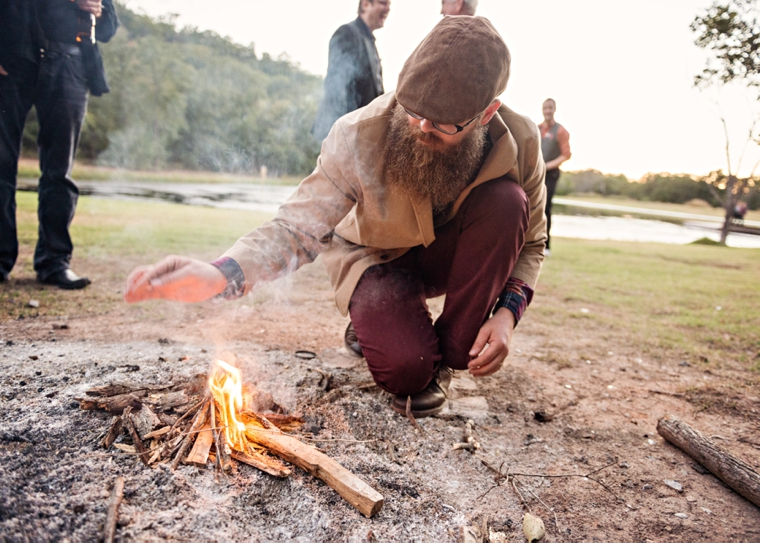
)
(456, 72)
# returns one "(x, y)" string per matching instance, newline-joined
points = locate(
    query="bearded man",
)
(434, 189)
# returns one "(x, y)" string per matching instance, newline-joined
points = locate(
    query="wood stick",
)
(223, 461)
(113, 404)
(199, 454)
(117, 494)
(733, 471)
(198, 421)
(353, 489)
(113, 432)
(259, 461)
(136, 441)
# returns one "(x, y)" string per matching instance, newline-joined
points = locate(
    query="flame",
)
(226, 385)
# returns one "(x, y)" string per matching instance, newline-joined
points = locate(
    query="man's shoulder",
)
(521, 126)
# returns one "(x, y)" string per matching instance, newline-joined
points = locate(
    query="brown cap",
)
(456, 72)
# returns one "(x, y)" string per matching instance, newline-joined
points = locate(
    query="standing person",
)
(555, 147)
(354, 73)
(458, 7)
(434, 189)
(50, 59)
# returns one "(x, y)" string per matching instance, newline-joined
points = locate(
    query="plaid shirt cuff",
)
(515, 297)
(234, 275)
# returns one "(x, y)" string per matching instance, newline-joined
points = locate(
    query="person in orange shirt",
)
(555, 146)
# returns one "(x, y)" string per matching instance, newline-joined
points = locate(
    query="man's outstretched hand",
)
(496, 333)
(175, 278)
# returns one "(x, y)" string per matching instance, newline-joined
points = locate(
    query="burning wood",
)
(224, 426)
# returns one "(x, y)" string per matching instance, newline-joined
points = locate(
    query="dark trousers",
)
(470, 261)
(552, 176)
(59, 93)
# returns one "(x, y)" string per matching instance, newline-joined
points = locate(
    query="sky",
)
(621, 72)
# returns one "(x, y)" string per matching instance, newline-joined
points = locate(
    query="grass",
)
(695, 301)
(698, 208)
(29, 169)
(698, 301)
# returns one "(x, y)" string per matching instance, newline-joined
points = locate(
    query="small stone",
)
(650, 441)
(706, 510)
(675, 485)
(682, 515)
(34, 303)
(623, 465)
(691, 499)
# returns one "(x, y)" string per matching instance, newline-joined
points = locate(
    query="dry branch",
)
(199, 454)
(353, 489)
(733, 471)
(117, 494)
(113, 432)
(198, 421)
(268, 465)
(136, 441)
(113, 404)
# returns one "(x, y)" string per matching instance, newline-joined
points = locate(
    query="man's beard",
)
(431, 170)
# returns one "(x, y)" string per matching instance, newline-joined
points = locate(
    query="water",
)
(615, 223)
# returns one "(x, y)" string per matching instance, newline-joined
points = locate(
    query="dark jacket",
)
(19, 33)
(354, 75)
(62, 20)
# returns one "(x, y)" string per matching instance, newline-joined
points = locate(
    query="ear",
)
(490, 112)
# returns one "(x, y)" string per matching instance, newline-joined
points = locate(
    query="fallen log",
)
(353, 489)
(733, 471)
(117, 494)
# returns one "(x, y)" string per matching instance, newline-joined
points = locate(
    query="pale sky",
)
(621, 72)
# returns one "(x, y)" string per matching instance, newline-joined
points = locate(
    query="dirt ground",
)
(573, 401)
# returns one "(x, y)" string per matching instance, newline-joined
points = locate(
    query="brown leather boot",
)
(431, 400)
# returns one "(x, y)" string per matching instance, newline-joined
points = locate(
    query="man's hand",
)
(91, 6)
(495, 335)
(2, 72)
(175, 278)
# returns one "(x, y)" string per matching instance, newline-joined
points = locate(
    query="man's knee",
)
(402, 370)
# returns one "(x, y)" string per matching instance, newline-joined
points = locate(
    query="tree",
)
(730, 33)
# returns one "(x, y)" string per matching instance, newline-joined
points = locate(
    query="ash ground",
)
(602, 394)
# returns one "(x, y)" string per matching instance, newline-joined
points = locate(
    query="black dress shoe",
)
(65, 279)
(431, 400)
(352, 342)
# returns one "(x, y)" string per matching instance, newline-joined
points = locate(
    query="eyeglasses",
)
(449, 129)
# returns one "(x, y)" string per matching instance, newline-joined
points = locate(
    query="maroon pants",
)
(470, 261)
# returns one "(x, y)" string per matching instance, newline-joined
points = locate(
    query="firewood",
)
(223, 461)
(113, 404)
(144, 420)
(283, 422)
(158, 433)
(353, 489)
(733, 471)
(117, 494)
(113, 390)
(199, 454)
(266, 464)
(136, 441)
(198, 421)
(170, 400)
(113, 432)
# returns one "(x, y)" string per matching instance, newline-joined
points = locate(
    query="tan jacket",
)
(347, 212)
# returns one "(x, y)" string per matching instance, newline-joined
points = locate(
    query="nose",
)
(426, 126)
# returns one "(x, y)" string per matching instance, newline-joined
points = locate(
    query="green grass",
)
(702, 301)
(700, 208)
(29, 169)
(660, 297)
(115, 227)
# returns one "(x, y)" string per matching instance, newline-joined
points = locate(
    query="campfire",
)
(221, 420)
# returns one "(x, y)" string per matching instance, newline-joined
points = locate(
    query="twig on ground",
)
(410, 416)
(117, 494)
(198, 421)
